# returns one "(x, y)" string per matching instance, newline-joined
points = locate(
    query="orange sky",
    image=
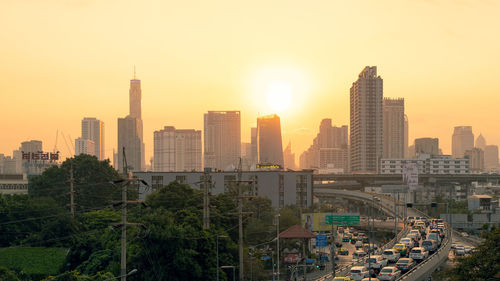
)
(63, 60)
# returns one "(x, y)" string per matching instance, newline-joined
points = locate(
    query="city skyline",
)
(435, 74)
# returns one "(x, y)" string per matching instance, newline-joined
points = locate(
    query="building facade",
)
(427, 164)
(289, 157)
(427, 146)
(393, 128)
(177, 150)
(476, 159)
(13, 184)
(84, 146)
(93, 129)
(491, 158)
(269, 143)
(282, 188)
(462, 140)
(222, 139)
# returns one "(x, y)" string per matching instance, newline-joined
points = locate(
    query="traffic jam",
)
(423, 239)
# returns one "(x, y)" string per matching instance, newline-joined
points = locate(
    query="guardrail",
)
(429, 265)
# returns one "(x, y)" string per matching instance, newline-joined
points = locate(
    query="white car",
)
(417, 233)
(408, 242)
(419, 254)
(358, 272)
(375, 262)
(392, 255)
(389, 273)
(460, 251)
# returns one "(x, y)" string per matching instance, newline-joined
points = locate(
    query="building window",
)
(180, 179)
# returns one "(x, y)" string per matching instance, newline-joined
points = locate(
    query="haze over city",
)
(65, 60)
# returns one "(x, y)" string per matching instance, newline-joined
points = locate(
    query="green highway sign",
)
(342, 219)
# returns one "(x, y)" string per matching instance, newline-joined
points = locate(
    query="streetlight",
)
(217, 247)
(130, 273)
(230, 266)
(278, 244)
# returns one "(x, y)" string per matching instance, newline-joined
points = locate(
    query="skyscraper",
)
(222, 139)
(84, 146)
(393, 128)
(289, 157)
(406, 138)
(93, 129)
(491, 157)
(427, 146)
(366, 96)
(462, 140)
(269, 145)
(130, 131)
(253, 144)
(481, 142)
(476, 159)
(177, 150)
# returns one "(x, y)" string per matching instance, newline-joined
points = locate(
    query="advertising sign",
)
(410, 175)
(342, 219)
(315, 222)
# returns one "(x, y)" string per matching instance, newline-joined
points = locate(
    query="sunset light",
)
(279, 96)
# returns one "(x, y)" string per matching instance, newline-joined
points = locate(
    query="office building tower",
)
(393, 128)
(84, 146)
(491, 157)
(481, 142)
(289, 157)
(222, 139)
(177, 150)
(269, 146)
(476, 159)
(130, 132)
(462, 140)
(406, 138)
(93, 129)
(31, 159)
(253, 145)
(366, 95)
(427, 146)
(333, 158)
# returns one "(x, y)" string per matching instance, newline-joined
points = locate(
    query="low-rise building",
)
(427, 164)
(479, 202)
(13, 184)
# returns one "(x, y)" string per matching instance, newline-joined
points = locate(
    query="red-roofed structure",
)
(296, 232)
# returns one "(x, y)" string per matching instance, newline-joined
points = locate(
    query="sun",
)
(279, 96)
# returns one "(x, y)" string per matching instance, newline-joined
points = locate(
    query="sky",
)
(63, 60)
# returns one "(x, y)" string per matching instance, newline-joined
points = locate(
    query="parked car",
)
(358, 272)
(430, 245)
(403, 250)
(389, 273)
(419, 254)
(405, 264)
(375, 262)
(391, 255)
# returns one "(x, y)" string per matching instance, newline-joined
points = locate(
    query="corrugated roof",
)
(296, 231)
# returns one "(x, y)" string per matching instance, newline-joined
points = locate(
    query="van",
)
(429, 245)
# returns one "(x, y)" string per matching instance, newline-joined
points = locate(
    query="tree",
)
(7, 275)
(482, 265)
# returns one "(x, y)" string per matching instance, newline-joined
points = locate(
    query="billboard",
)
(318, 221)
(410, 175)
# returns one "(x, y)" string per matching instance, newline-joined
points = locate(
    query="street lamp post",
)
(217, 247)
(230, 266)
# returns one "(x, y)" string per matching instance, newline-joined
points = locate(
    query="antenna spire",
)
(134, 72)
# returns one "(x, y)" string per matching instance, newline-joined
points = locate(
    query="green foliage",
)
(76, 276)
(93, 183)
(38, 261)
(7, 275)
(483, 265)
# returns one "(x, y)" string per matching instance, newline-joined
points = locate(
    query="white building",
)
(427, 164)
(85, 146)
(394, 128)
(13, 184)
(177, 150)
(283, 188)
(93, 129)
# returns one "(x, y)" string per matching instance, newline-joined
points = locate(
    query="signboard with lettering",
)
(342, 219)
(321, 240)
(40, 155)
(410, 175)
(267, 166)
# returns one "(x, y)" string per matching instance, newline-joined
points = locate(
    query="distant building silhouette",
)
(406, 138)
(289, 157)
(130, 131)
(491, 158)
(476, 159)
(269, 143)
(84, 146)
(462, 140)
(366, 97)
(222, 139)
(481, 142)
(393, 128)
(427, 146)
(177, 150)
(93, 129)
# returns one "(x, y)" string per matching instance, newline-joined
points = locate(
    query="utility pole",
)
(72, 191)
(207, 184)
(240, 222)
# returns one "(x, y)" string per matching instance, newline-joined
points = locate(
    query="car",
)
(429, 245)
(358, 272)
(340, 229)
(453, 245)
(370, 279)
(343, 252)
(460, 251)
(413, 236)
(345, 239)
(358, 245)
(405, 264)
(391, 255)
(435, 237)
(467, 249)
(376, 262)
(407, 241)
(342, 278)
(389, 273)
(418, 254)
(403, 250)
(358, 254)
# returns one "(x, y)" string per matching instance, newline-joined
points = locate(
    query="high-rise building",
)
(130, 131)
(491, 157)
(29, 158)
(222, 139)
(427, 146)
(253, 145)
(366, 112)
(269, 145)
(462, 140)
(393, 128)
(333, 157)
(84, 146)
(93, 129)
(177, 150)
(407, 135)
(476, 159)
(481, 142)
(289, 157)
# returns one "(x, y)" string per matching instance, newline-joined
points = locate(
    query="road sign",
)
(310, 260)
(321, 240)
(265, 258)
(394, 188)
(342, 219)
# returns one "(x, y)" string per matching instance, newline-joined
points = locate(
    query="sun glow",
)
(279, 96)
